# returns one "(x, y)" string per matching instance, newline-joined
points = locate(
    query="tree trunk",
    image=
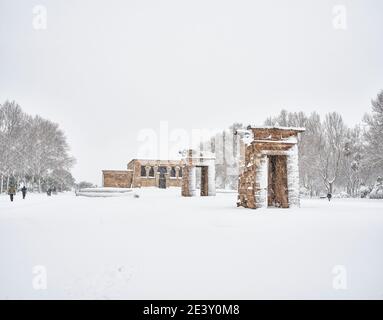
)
(330, 184)
(224, 159)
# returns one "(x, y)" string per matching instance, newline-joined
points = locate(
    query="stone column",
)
(192, 177)
(136, 179)
(157, 177)
(261, 177)
(177, 172)
(167, 177)
(147, 168)
(188, 181)
(185, 182)
(293, 177)
(211, 179)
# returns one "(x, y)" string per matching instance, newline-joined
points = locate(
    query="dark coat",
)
(11, 190)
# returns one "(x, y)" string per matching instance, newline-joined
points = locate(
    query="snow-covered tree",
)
(84, 184)
(49, 149)
(331, 149)
(226, 146)
(33, 150)
(374, 134)
(308, 155)
(12, 134)
(354, 171)
(377, 190)
(308, 146)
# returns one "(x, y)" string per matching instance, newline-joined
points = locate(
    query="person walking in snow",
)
(329, 196)
(11, 192)
(24, 191)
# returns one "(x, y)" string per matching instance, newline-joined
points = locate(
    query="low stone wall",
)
(174, 182)
(148, 182)
(117, 178)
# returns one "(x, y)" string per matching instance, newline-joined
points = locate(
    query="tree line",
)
(34, 151)
(333, 157)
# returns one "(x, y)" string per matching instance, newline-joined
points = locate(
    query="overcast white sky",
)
(104, 70)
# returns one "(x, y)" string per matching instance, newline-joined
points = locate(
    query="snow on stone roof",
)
(286, 141)
(160, 159)
(300, 129)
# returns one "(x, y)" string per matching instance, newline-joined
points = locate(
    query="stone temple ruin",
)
(269, 174)
(268, 177)
(143, 173)
(198, 159)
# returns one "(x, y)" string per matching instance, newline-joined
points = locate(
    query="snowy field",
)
(163, 246)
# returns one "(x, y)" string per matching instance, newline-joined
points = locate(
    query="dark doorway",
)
(277, 195)
(162, 177)
(204, 182)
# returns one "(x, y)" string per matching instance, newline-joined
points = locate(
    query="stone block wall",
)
(147, 180)
(117, 178)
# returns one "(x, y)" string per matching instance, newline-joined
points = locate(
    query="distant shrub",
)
(364, 191)
(84, 185)
(377, 190)
(342, 194)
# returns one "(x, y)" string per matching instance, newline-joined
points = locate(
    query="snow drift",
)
(104, 192)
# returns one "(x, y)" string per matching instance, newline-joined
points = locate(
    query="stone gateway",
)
(206, 162)
(269, 174)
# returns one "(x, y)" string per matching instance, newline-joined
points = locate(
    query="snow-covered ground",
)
(163, 246)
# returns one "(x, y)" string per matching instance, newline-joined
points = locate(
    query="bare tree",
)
(11, 134)
(331, 149)
(374, 134)
(32, 149)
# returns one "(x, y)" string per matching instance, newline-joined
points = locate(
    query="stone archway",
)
(193, 160)
(269, 172)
